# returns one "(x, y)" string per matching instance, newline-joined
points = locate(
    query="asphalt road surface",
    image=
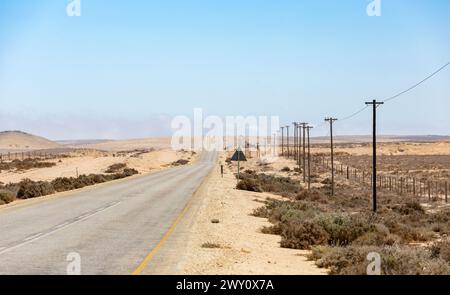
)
(109, 229)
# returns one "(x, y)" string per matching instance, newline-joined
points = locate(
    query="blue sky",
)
(123, 68)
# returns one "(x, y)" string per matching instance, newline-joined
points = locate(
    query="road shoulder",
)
(242, 248)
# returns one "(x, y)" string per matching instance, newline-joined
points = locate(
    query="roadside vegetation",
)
(26, 164)
(249, 180)
(27, 188)
(180, 162)
(342, 230)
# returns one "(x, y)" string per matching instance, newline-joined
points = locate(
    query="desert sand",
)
(97, 163)
(243, 248)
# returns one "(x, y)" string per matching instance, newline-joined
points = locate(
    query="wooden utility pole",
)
(295, 140)
(287, 141)
(300, 154)
(375, 105)
(282, 141)
(308, 128)
(303, 125)
(331, 121)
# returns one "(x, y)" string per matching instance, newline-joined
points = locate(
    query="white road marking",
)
(62, 224)
(33, 237)
(56, 229)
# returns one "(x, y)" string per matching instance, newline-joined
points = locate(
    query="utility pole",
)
(299, 145)
(295, 140)
(304, 149)
(282, 141)
(375, 105)
(331, 121)
(287, 141)
(308, 128)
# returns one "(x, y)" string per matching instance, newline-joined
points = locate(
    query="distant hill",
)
(16, 141)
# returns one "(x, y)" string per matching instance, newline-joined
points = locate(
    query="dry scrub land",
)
(271, 224)
(36, 177)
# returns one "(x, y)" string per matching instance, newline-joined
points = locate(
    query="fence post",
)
(429, 191)
(348, 173)
(446, 192)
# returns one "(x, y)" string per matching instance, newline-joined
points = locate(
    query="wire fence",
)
(404, 185)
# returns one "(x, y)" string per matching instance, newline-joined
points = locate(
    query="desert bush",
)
(409, 208)
(211, 245)
(33, 189)
(180, 162)
(249, 184)
(114, 168)
(129, 172)
(394, 260)
(61, 184)
(378, 236)
(407, 232)
(441, 250)
(302, 235)
(261, 212)
(286, 169)
(343, 228)
(312, 195)
(6, 196)
(272, 230)
(284, 186)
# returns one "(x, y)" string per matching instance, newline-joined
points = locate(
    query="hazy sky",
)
(123, 68)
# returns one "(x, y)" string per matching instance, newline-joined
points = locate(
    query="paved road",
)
(112, 227)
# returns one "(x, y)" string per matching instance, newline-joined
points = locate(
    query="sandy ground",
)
(131, 144)
(97, 163)
(243, 248)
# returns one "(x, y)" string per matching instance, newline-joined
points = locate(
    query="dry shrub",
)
(441, 250)
(284, 186)
(409, 208)
(272, 230)
(343, 228)
(114, 168)
(211, 245)
(286, 169)
(249, 184)
(261, 212)
(302, 235)
(33, 189)
(312, 195)
(378, 236)
(6, 197)
(25, 164)
(395, 260)
(180, 162)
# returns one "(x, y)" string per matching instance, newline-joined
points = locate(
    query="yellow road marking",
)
(153, 252)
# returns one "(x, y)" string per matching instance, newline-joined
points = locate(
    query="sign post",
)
(238, 157)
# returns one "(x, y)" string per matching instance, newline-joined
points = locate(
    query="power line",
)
(417, 84)
(354, 114)
(398, 94)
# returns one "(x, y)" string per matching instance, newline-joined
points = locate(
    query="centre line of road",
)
(58, 228)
